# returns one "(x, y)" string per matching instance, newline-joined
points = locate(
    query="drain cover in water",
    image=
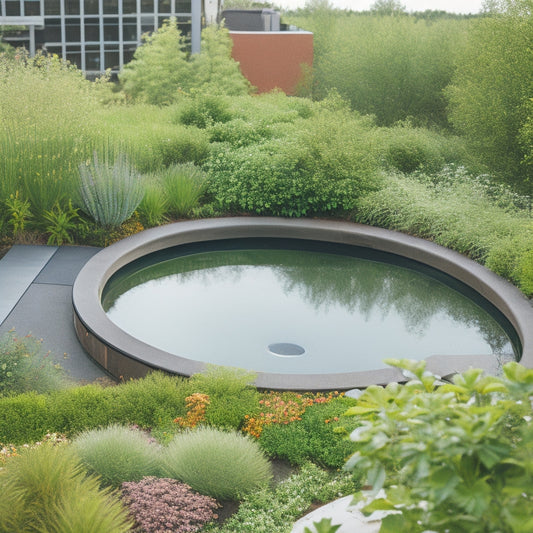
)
(286, 349)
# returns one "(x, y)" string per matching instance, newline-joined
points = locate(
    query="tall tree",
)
(491, 88)
(159, 68)
(214, 70)
(387, 7)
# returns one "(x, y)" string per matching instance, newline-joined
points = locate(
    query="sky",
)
(452, 6)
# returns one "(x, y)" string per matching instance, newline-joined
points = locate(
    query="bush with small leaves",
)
(319, 436)
(225, 465)
(186, 145)
(205, 109)
(24, 366)
(159, 505)
(274, 511)
(117, 454)
(231, 395)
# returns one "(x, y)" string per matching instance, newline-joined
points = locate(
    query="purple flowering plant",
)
(164, 505)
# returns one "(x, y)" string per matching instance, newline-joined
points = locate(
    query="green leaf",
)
(492, 453)
(376, 476)
(474, 499)
(518, 373)
(379, 504)
(360, 410)
(393, 523)
(443, 482)
(324, 526)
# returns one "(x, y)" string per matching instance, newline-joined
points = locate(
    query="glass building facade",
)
(96, 35)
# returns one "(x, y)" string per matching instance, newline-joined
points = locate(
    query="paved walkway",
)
(36, 297)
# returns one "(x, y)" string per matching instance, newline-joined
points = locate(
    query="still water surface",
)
(344, 313)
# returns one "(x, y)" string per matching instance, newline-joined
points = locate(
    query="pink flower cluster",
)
(163, 505)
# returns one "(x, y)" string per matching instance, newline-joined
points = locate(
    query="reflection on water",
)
(348, 313)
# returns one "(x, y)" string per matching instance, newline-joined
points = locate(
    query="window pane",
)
(52, 31)
(92, 61)
(32, 8)
(72, 7)
(51, 7)
(128, 54)
(75, 58)
(164, 6)
(91, 7)
(129, 7)
(147, 6)
(147, 23)
(129, 31)
(183, 6)
(111, 29)
(72, 30)
(13, 9)
(92, 30)
(111, 6)
(112, 60)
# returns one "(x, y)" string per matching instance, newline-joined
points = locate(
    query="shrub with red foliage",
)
(163, 505)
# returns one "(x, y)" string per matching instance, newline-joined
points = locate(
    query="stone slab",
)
(18, 268)
(65, 264)
(45, 311)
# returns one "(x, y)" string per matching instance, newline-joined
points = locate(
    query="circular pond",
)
(305, 304)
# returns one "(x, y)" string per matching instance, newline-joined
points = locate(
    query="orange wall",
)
(272, 60)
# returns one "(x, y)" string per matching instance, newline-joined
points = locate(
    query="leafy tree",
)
(526, 139)
(392, 67)
(214, 71)
(159, 69)
(492, 86)
(387, 7)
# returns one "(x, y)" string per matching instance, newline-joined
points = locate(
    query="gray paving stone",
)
(18, 268)
(65, 264)
(45, 311)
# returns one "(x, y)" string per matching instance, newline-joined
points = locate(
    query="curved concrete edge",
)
(124, 356)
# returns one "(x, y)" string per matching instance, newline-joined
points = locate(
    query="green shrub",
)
(314, 437)
(204, 109)
(512, 258)
(238, 132)
(393, 67)
(185, 145)
(110, 192)
(459, 216)
(274, 511)
(184, 185)
(81, 408)
(24, 418)
(525, 272)
(117, 454)
(45, 489)
(321, 167)
(216, 463)
(463, 448)
(230, 392)
(410, 149)
(151, 402)
(25, 367)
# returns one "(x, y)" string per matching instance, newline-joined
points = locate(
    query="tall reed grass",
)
(45, 116)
